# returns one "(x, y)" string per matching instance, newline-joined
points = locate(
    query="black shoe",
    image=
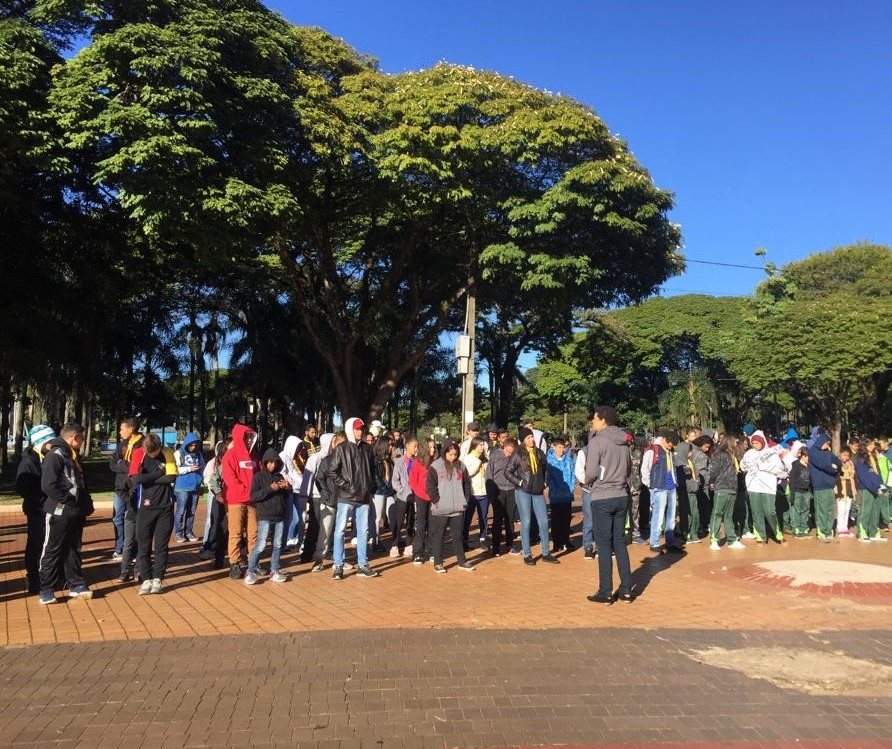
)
(589, 554)
(126, 577)
(418, 560)
(551, 559)
(625, 598)
(494, 553)
(598, 598)
(235, 572)
(530, 561)
(367, 572)
(568, 547)
(261, 571)
(338, 573)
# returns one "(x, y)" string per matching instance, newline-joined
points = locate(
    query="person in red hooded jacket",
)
(239, 465)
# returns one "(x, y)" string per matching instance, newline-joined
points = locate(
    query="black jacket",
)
(270, 503)
(800, 479)
(722, 474)
(351, 472)
(120, 466)
(520, 473)
(27, 482)
(62, 481)
(328, 493)
(153, 484)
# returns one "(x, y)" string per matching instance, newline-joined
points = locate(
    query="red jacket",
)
(239, 465)
(418, 480)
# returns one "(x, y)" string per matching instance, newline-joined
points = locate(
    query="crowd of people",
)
(337, 497)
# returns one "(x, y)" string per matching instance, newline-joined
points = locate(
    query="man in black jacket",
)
(130, 439)
(27, 484)
(351, 472)
(67, 505)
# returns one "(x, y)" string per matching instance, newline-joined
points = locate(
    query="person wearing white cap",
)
(27, 484)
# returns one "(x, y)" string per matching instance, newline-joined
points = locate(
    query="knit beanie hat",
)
(40, 434)
(522, 433)
(758, 436)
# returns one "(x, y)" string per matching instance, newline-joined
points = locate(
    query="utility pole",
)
(464, 352)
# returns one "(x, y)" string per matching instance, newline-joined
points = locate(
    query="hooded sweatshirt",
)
(561, 476)
(270, 503)
(448, 485)
(153, 480)
(189, 480)
(351, 469)
(308, 477)
(762, 467)
(62, 482)
(608, 464)
(823, 465)
(291, 470)
(239, 466)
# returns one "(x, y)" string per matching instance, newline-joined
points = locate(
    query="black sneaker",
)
(418, 560)
(589, 554)
(235, 572)
(530, 561)
(338, 573)
(317, 567)
(549, 559)
(568, 547)
(598, 598)
(367, 572)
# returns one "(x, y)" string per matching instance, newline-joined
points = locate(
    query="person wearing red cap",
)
(763, 468)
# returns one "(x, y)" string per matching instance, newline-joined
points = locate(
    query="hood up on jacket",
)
(325, 444)
(189, 439)
(291, 444)
(350, 424)
(759, 435)
(269, 456)
(239, 433)
(820, 441)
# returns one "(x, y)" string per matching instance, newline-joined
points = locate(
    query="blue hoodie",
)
(867, 477)
(561, 476)
(823, 465)
(189, 480)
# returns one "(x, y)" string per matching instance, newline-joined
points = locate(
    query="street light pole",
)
(465, 355)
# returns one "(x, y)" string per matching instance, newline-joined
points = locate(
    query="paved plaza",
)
(767, 647)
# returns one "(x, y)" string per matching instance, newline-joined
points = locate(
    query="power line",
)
(725, 265)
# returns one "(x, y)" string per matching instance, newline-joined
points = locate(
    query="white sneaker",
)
(354, 542)
(748, 535)
(291, 542)
(394, 551)
(250, 578)
(408, 550)
(714, 546)
(145, 588)
(879, 538)
(156, 585)
(736, 545)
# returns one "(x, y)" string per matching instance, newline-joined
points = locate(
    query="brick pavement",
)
(507, 656)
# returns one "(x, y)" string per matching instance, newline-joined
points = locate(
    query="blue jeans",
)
(588, 533)
(361, 525)
(609, 520)
(187, 502)
(264, 528)
(479, 504)
(119, 505)
(527, 504)
(294, 518)
(662, 516)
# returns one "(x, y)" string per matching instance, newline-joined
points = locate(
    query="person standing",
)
(823, 469)
(190, 468)
(800, 493)
(561, 486)
(402, 468)
(27, 486)
(763, 468)
(325, 501)
(130, 440)
(449, 488)
(475, 465)
(240, 463)
(722, 481)
(871, 491)
(270, 491)
(153, 496)
(421, 538)
(67, 505)
(294, 457)
(351, 472)
(216, 535)
(608, 468)
(528, 474)
(501, 495)
(658, 474)
(588, 531)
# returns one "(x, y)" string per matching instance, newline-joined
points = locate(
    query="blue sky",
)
(768, 120)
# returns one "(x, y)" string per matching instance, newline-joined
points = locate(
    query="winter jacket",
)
(119, 462)
(351, 469)
(522, 474)
(763, 468)
(383, 475)
(867, 477)
(657, 468)
(270, 502)
(418, 480)
(685, 469)
(449, 490)
(153, 480)
(401, 485)
(700, 460)
(608, 464)
(27, 482)
(62, 482)
(723, 470)
(561, 477)
(188, 479)
(292, 472)
(239, 465)
(800, 481)
(476, 468)
(823, 465)
(498, 466)
(324, 485)
(308, 477)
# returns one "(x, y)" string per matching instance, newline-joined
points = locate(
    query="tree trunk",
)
(507, 385)
(5, 402)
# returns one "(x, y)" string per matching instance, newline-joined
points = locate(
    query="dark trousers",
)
(153, 525)
(220, 532)
(61, 546)
(439, 523)
(609, 521)
(130, 552)
(396, 522)
(560, 523)
(36, 524)
(422, 519)
(503, 509)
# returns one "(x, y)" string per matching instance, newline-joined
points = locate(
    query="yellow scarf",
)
(534, 464)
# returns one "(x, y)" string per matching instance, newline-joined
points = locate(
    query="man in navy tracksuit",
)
(823, 468)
